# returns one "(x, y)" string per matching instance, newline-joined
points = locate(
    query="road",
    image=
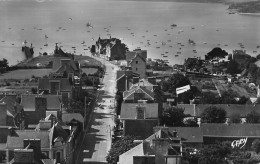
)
(97, 138)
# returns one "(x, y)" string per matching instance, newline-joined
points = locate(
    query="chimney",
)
(41, 106)
(160, 146)
(152, 80)
(199, 121)
(174, 133)
(11, 131)
(140, 109)
(3, 115)
(135, 80)
(34, 144)
(64, 61)
(23, 156)
(45, 124)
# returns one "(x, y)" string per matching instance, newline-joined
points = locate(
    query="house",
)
(159, 148)
(54, 102)
(149, 83)
(240, 56)
(190, 61)
(110, 49)
(213, 133)
(4, 132)
(34, 113)
(49, 141)
(55, 86)
(130, 55)
(124, 79)
(11, 112)
(139, 93)
(138, 65)
(65, 67)
(139, 118)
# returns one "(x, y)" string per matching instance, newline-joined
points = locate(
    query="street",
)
(97, 137)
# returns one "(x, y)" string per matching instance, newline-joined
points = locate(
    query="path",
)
(97, 138)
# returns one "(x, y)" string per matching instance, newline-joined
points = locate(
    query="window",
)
(136, 69)
(136, 62)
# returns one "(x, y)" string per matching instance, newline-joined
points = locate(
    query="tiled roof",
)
(143, 82)
(129, 95)
(16, 141)
(130, 55)
(136, 56)
(122, 73)
(68, 68)
(128, 110)
(28, 102)
(44, 84)
(11, 103)
(189, 134)
(232, 130)
(49, 161)
(57, 63)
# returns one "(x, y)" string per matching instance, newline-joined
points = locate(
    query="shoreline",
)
(253, 14)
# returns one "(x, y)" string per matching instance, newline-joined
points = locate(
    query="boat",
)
(176, 55)
(89, 25)
(191, 42)
(204, 42)
(173, 25)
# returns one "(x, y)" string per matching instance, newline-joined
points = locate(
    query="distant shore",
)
(254, 14)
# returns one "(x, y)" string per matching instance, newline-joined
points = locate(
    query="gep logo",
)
(239, 143)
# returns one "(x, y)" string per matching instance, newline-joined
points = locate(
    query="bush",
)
(252, 117)
(235, 118)
(119, 147)
(213, 114)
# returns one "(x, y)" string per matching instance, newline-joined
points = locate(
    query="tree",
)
(173, 116)
(213, 114)
(175, 81)
(235, 118)
(256, 145)
(119, 100)
(34, 90)
(210, 98)
(228, 97)
(216, 54)
(189, 95)
(3, 63)
(258, 56)
(119, 147)
(252, 117)
(215, 153)
(242, 100)
(190, 122)
(233, 67)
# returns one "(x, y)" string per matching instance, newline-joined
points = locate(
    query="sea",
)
(75, 25)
